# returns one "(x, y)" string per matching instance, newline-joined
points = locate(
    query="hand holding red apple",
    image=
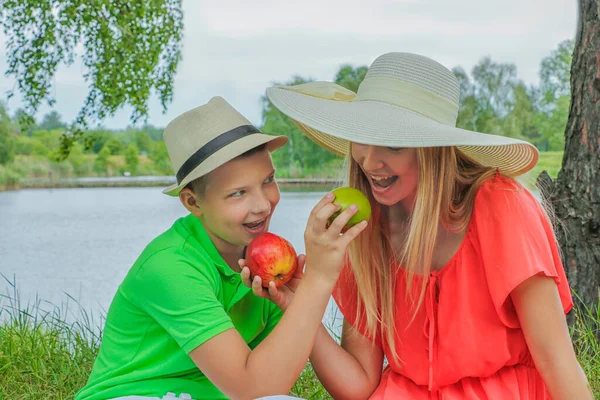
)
(281, 296)
(272, 258)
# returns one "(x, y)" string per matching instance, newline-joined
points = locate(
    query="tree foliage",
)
(130, 50)
(7, 139)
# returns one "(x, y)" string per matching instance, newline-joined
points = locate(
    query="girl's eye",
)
(270, 179)
(396, 149)
(237, 194)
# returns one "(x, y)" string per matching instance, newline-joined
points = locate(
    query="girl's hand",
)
(326, 245)
(282, 297)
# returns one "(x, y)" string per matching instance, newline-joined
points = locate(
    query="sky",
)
(237, 48)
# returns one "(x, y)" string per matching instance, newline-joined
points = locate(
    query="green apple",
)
(345, 197)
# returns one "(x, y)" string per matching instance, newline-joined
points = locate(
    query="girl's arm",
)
(274, 365)
(350, 371)
(544, 325)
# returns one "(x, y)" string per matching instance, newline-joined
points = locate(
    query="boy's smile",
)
(257, 227)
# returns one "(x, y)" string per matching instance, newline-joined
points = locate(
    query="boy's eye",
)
(270, 179)
(237, 194)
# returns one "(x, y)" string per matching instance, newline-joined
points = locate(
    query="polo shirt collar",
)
(197, 230)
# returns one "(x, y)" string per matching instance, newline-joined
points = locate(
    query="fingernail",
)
(330, 195)
(353, 207)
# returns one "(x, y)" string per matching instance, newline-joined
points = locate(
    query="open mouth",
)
(383, 182)
(256, 226)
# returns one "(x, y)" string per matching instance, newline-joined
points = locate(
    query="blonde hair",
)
(448, 182)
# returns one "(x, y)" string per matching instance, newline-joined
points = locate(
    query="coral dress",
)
(466, 341)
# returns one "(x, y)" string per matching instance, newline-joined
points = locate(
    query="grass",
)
(43, 356)
(550, 161)
(585, 332)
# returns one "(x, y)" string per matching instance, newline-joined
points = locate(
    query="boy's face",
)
(238, 200)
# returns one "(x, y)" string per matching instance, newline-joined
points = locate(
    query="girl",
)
(458, 281)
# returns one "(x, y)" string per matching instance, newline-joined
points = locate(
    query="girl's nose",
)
(371, 161)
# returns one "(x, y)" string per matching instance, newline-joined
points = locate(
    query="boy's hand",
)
(282, 297)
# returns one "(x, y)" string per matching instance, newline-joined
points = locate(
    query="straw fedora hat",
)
(405, 100)
(206, 137)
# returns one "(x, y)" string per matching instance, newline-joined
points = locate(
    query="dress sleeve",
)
(345, 295)
(517, 242)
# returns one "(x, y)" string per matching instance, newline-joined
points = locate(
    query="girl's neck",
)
(447, 242)
(398, 218)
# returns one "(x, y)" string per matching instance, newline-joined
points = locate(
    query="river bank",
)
(149, 181)
(33, 173)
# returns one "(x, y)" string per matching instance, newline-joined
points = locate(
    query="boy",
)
(183, 300)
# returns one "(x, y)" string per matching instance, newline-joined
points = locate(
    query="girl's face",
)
(392, 172)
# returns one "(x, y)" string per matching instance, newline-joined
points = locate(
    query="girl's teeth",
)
(384, 182)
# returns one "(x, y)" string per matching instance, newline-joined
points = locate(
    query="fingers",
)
(258, 289)
(245, 275)
(300, 267)
(327, 199)
(325, 212)
(276, 295)
(352, 233)
(341, 220)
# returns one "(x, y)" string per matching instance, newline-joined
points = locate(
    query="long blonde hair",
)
(448, 182)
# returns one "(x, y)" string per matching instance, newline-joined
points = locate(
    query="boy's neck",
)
(232, 259)
(231, 253)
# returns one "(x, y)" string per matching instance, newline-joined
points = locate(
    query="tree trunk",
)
(575, 195)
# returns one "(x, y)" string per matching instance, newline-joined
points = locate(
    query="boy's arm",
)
(275, 364)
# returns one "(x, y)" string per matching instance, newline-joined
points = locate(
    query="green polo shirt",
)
(178, 294)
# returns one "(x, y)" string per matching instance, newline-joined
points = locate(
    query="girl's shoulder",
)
(498, 185)
(505, 198)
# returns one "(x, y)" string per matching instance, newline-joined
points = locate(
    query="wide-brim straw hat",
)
(405, 100)
(206, 137)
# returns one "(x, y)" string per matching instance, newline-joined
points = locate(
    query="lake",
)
(57, 243)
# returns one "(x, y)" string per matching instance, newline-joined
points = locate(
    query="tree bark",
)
(575, 195)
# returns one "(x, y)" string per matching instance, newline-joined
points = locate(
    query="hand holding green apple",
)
(346, 196)
(327, 237)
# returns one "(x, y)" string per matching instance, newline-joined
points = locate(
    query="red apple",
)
(272, 258)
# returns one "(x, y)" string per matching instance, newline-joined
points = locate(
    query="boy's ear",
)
(189, 199)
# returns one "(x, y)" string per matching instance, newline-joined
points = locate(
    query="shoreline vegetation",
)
(34, 173)
(47, 351)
